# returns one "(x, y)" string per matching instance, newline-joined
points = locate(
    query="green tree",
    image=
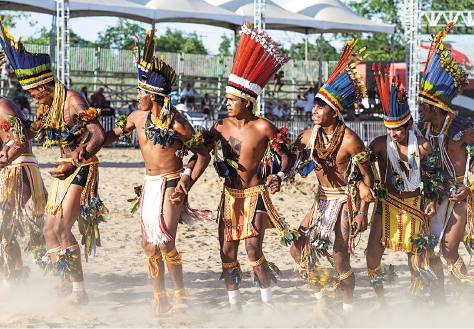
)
(43, 36)
(9, 18)
(120, 36)
(379, 45)
(449, 5)
(297, 51)
(176, 42)
(225, 46)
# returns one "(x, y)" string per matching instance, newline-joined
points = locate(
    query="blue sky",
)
(88, 28)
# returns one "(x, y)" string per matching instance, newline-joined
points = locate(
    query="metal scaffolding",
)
(62, 42)
(412, 21)
(259, 22)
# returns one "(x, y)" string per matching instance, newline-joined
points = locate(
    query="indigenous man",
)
(165, 137)
(64, 117)
(452, 136)
(20, 179)
(255, 161)
(399, 220)
(335, 152)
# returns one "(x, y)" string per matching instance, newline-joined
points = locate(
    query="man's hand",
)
(66, 170)
(359, 224)
(4, 157)
(430, 209)
(78, 156)
(461, 194)
(273, 182)
(184, 185)
(366, 193)
(176, 197)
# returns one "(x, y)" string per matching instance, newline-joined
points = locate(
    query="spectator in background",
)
(132, 107)
(278, 112)
(269, 111)
(308, 106)
(277, 77)
(8, 72)
(107, 111)
(351, 110)
(286, 113)
(299, 106)
(84, 94)
(206, 105)
(25, 112)
(371, 97)
(98, 99)
(18, 95)
(187, 96)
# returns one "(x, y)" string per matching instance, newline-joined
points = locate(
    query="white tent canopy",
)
(276, 18)
(335, 16)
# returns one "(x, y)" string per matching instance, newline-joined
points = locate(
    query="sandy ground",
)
(120, 292)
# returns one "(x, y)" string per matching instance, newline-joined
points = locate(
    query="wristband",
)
(471, 187)
(360, 212)
(187, 171)
(10, 143)
(281, 174)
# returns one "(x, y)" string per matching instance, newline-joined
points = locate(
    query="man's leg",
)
(254, 248)
(228, 252)
(63, 222)
(171, 215)
(437, 290)
(341, 256)
(375, 251)
(452, 238)
(157, 274)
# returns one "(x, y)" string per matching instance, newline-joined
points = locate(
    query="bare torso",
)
(246, 145)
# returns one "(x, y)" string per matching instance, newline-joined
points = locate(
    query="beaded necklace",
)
(326, 156)
(160, 131)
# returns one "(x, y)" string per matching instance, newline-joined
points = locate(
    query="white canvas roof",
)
(276, 17)
(336, 16)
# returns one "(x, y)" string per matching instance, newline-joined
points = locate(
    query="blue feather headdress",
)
(154, 75)
(31, 70)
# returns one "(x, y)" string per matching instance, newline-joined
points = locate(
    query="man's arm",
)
(11, 152)
(354, 147)
(425, 151)
(464, 191)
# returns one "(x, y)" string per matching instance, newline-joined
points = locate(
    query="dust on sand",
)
(121, 294)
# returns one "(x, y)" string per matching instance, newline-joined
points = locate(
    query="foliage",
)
(379, 45)
(44, 38)
(329, 52)
(120, 36)
(177, 42)
(9, 18)
(224, 47)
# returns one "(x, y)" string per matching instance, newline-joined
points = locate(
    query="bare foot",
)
(78, 298)
(64, 289)
(236, 308)
(325, 302)
(163, 307)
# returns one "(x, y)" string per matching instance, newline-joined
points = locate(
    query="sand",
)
(120, 292)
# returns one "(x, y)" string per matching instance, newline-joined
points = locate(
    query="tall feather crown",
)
(443, 78)
(256, 61)
(31, 70)
(393, 99)
(344, 86)
(154, 75)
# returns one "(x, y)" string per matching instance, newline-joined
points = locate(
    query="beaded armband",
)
(13, 124)
(223, 166)
(270, 163)
(122, 123)
(431, 175)
(136, 200)
(362, 157)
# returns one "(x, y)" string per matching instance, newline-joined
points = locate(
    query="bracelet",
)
(10, 143)
(360, 212)
(471, 187)
(187, 171)
(281, 174)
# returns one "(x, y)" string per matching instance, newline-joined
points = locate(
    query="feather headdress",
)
(443, 78)
(154, 75)
(344, 86)
(256, 61)
(393, 99)
(31, 70)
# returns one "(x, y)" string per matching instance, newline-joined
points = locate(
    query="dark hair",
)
(251, 104)
(405, 125)
(319, 102)
(160, 100)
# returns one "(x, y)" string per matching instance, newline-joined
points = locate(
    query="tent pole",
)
(320, 59)
(234, 41)
(306, 56)
(153, 24)
(393, 54)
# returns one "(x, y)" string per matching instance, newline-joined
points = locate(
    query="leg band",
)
(177, 294)
(234, 297)
(157, 298)
(153, 269)
(258, 262)
(378, 278)
(235, 273)
(345, 275)
(266, 294)
(173, 257)
(454, 270)
(78, 286)
(66, 263)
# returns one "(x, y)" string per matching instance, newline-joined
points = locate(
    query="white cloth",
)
(413, 181)
(300, 103)
(278, 112)
(151, 209)
(266, 294)
(308, 107)
(234, 296)
(187, 93)
(440, 220)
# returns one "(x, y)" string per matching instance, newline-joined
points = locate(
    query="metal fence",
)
(103, 60)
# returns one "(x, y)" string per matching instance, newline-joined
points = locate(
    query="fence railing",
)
(104, 60)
